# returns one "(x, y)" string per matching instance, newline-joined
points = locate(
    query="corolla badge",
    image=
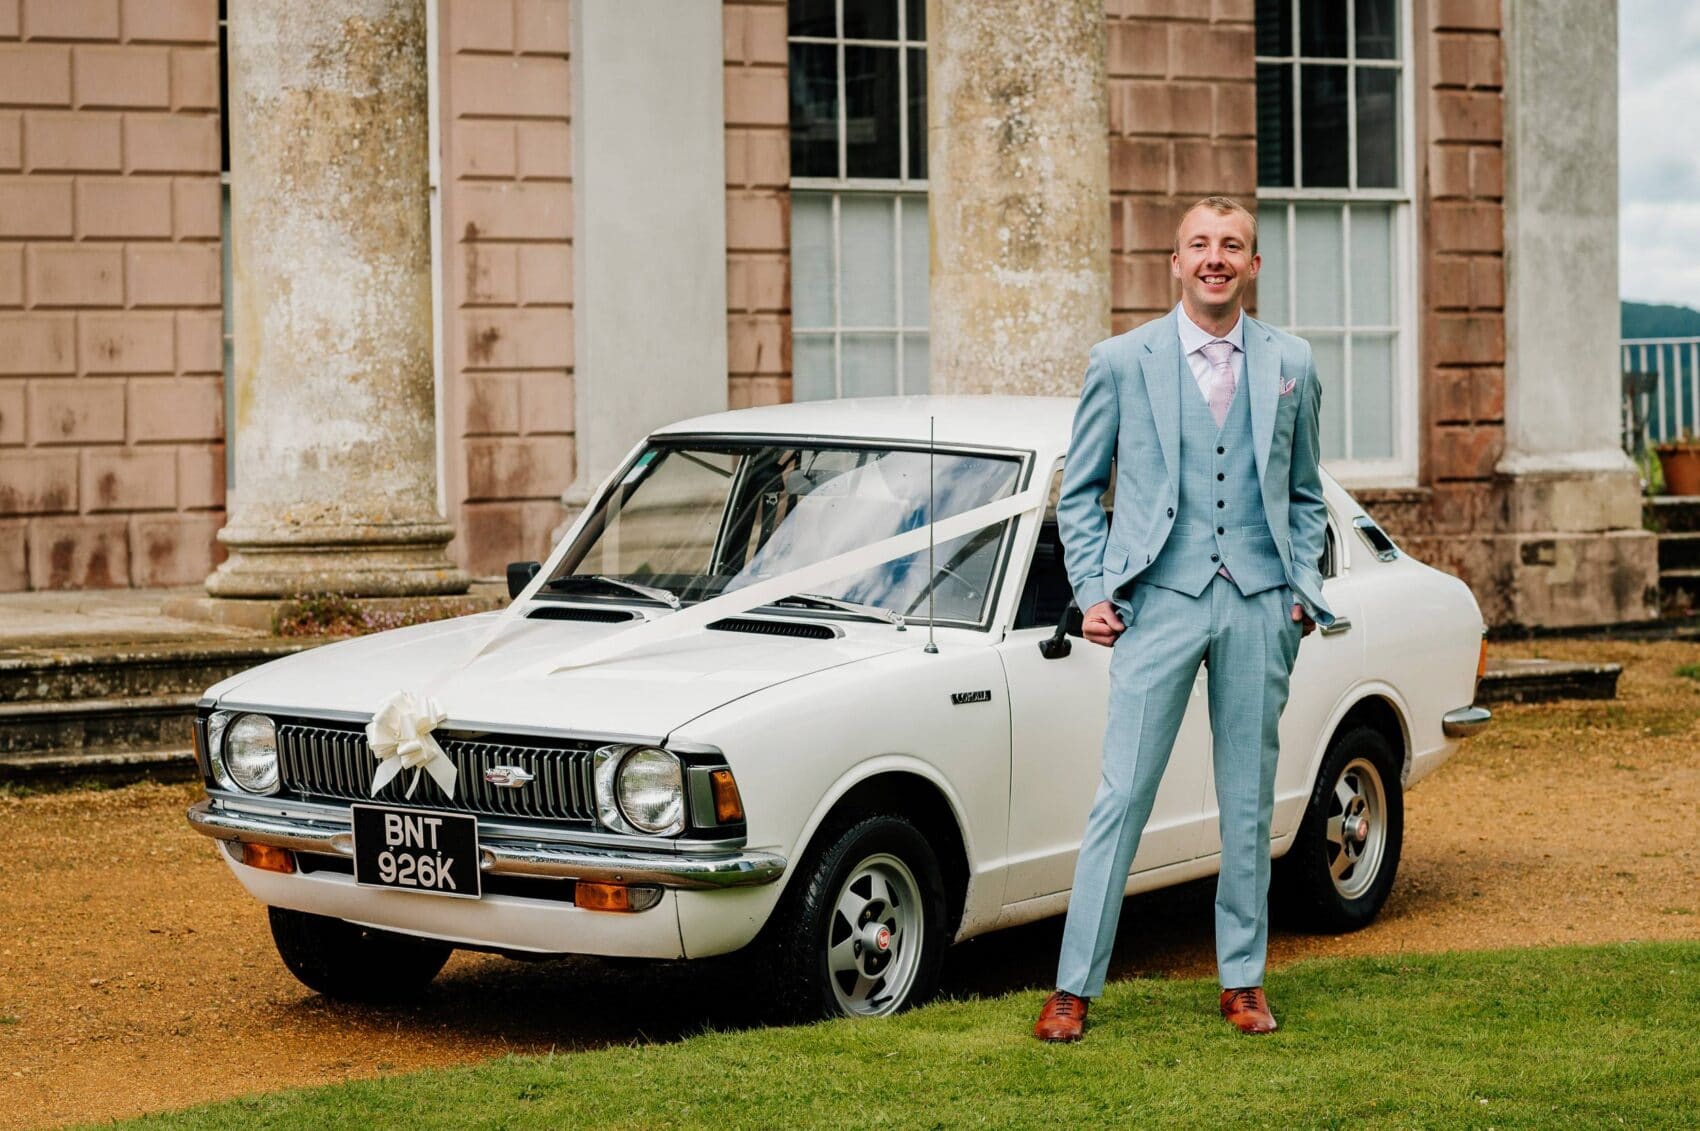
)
(507, 777)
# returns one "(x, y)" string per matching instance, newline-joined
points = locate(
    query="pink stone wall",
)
(111, 395)
(505, 114)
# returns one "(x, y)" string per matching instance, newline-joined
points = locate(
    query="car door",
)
(1057, 711)
(1329, 662)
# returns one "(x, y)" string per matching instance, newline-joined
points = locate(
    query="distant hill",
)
(1649, 320)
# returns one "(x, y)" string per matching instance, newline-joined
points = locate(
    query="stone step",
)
(1679, 550)
(1674, 514)
(1540, 681)
(112, 765)
(66, 727)
(138, 671)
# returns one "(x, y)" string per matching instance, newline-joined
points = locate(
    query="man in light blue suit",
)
(1207, 420)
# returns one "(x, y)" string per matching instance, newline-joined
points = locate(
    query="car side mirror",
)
(520, 575)
(1056, 645)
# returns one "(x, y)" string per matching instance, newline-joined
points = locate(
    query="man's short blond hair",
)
(1222, 206)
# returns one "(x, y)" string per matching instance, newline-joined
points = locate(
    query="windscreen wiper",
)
(819, 600)
(595, 580)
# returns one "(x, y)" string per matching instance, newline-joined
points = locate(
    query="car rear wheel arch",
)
(1380, 714)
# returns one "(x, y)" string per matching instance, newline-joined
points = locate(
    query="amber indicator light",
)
(269, 858)
(603, 897)
(1481, 664)
(728, 806)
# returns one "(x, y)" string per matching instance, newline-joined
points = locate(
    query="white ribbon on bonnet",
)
(400, 731)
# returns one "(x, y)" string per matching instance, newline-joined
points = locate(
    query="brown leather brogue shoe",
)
(1248, 1010)
(1063, 1018)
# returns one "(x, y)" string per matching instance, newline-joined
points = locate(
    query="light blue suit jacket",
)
(1129, 423)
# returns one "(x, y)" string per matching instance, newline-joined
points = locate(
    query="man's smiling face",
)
(1215, 262)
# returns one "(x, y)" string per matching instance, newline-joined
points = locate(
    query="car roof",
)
(1039, 424)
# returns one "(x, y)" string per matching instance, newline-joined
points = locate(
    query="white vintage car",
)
(797, 681)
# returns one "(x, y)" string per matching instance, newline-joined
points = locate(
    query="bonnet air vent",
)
(804, 629)
(577, 612)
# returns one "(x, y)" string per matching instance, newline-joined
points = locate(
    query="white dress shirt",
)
(1193, 340)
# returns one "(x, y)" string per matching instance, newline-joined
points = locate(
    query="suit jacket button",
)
(1171, 512)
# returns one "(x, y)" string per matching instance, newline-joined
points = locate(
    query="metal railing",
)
(1661, 391)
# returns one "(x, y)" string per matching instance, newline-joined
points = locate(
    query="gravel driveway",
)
(136, 975)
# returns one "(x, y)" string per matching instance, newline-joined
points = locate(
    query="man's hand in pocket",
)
(1101, 625)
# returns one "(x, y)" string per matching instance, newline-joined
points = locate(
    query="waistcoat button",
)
(1215, 557)
(1220, 477)
(1221, 451)
(1221, 530)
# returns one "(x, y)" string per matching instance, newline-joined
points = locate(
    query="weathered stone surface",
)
(336, 439)
(1018, 170)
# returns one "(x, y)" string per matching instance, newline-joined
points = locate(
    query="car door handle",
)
(1341, 624)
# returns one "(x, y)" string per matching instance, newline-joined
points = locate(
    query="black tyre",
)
(860, 930)
(1341, 866)
(353, 963)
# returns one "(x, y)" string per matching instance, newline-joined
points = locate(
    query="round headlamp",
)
(250, 753)
(640, 789)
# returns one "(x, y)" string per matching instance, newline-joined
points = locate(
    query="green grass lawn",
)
(1601, 1036)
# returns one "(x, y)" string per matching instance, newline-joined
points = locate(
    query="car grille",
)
(335, 762)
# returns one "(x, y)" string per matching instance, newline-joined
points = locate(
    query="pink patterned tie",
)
(1220, 392)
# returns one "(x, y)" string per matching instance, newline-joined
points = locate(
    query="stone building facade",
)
(639, 208)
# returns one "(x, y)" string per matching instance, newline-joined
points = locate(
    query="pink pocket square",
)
(1288, 386)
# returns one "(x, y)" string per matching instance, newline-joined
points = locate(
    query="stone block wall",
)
(1453, 520)
(111, 357)
(758, 203)
(1183, 124)
(505, 115)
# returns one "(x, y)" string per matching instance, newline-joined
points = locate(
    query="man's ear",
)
(1174, 264)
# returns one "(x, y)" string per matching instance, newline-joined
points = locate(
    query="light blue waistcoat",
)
(1220, 510)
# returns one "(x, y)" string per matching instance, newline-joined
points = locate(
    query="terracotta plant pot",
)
(1681, 466)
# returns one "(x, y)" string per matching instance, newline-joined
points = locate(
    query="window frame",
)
(899, 191)
(1400, 469)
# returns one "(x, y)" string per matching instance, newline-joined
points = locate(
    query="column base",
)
(399, 561)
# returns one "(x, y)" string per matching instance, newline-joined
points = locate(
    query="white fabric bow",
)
(400, 736)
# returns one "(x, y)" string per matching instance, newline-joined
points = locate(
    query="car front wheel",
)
(353, 963)
(861, 931)
(1341, 866)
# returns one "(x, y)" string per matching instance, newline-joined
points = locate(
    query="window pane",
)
(1319, 290)
(1272, 276)
(871, 102)
(869, 249)
(917, 15)
(1378, 128)
(811, 259)
(1372, 396)
(916, 255)
(813, 17)
(1377, 29)
(1322, 123)
(1322, 28)
(916, 371)
(1330, 366)
(870, 19)
(1372, 265)
(1275, 124)
(814, 110)
(917, 114)
(1274, 27)
(870, 365)
(811, 367)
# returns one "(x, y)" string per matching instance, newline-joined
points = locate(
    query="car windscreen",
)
(700, 519)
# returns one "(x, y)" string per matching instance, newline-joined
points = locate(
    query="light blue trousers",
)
(1249, 645)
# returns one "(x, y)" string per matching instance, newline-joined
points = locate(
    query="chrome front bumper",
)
(506, 858)
(1462, 722)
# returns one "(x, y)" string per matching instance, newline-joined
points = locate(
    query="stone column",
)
(335, 434)
(1579, 552)
(649, 226)
(1019, 193)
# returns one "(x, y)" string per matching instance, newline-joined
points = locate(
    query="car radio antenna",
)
(932, 648)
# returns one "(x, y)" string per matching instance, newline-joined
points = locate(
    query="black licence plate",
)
(415, 850)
